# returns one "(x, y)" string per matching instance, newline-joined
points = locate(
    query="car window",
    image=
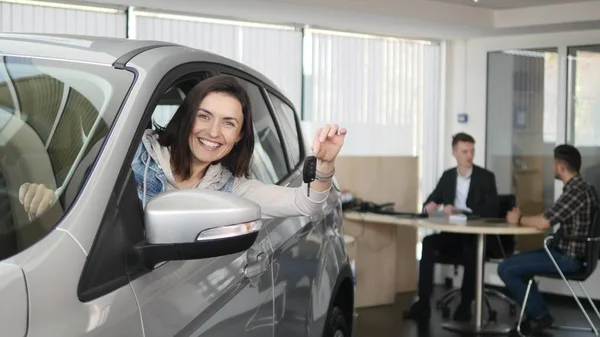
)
(167, 106)
(268, 161)
(287, 120)
(51, 114)
(173, 98)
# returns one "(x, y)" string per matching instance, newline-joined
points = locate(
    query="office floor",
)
(387, 321)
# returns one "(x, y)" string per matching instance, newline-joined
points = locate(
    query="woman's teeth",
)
(210, 144)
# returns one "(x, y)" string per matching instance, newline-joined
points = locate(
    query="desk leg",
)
(477, 326)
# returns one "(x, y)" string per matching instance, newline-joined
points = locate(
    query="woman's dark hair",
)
(176, 134)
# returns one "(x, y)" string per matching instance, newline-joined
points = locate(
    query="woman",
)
(209, 144)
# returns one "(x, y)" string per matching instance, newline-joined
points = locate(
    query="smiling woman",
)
(214, 123)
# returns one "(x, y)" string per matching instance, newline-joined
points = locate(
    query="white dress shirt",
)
(462, 190)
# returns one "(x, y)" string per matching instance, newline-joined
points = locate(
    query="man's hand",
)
(431, 207)
(512, 217)
(35, 198)
(449, 209)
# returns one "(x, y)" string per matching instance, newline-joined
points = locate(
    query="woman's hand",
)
(327, 145)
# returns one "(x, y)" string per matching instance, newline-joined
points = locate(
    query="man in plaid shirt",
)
(573, 211)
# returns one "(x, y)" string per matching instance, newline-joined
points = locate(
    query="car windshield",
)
(53, 117)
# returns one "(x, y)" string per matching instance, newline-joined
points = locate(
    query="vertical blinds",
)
(275, 51)
(57, 18)
(430, 124)
(381, 87)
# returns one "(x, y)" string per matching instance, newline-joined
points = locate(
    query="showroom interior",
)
(403, 77)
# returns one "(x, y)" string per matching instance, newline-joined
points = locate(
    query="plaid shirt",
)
(573, 210)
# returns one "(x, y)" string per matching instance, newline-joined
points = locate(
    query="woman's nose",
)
(214, 129)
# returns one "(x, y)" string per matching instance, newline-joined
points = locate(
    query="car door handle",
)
(257, 264)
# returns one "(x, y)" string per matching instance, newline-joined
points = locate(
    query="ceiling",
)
(508, 4)
(418, 19)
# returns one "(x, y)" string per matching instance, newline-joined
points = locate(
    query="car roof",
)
(96, 49)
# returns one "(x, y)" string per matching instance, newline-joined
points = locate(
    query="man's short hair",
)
(569, 156)
(462, 137)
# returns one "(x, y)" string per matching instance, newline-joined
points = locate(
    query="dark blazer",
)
(483, 195)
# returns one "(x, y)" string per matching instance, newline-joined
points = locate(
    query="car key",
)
(309, 172)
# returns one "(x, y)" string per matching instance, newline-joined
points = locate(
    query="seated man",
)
(467, 189)
(573, 210)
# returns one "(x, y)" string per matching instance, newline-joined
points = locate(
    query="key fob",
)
(310, 169)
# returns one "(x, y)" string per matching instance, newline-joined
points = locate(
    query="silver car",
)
(193, 263)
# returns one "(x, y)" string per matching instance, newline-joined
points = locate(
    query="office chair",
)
(589, 265)
(505, 247)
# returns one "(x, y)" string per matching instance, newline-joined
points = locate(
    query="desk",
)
(478, 227)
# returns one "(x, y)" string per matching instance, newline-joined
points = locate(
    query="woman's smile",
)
(209, 145)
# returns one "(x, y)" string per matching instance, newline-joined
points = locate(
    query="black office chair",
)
(504, 248)
(589, 265)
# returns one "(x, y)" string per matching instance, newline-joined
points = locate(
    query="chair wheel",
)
(493, 316)
(445, 312)
(512, 310)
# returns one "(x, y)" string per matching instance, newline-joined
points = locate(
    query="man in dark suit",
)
(466, 189)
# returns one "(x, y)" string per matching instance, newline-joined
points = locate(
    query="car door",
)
(224, 296)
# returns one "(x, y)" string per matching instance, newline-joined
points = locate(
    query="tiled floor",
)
(388, 321)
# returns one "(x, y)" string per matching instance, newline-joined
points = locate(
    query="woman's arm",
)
(278, 201)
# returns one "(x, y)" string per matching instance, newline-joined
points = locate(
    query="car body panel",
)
(13, 300)
(99, 50)
(306, 266)
(52, 268)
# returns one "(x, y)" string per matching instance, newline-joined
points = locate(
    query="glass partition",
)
(522, 105)
(583, 112)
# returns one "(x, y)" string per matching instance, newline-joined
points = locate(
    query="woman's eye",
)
(229, 124)
(203, 116)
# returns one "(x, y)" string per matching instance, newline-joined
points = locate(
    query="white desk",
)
(478, 227)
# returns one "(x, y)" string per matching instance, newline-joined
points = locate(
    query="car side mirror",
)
(194, 224)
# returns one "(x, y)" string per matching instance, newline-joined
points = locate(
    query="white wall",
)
(583, 11)
(467, 92)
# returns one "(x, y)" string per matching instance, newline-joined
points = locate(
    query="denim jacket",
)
(146, 169)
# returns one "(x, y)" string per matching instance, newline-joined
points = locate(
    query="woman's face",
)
(217, 127)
